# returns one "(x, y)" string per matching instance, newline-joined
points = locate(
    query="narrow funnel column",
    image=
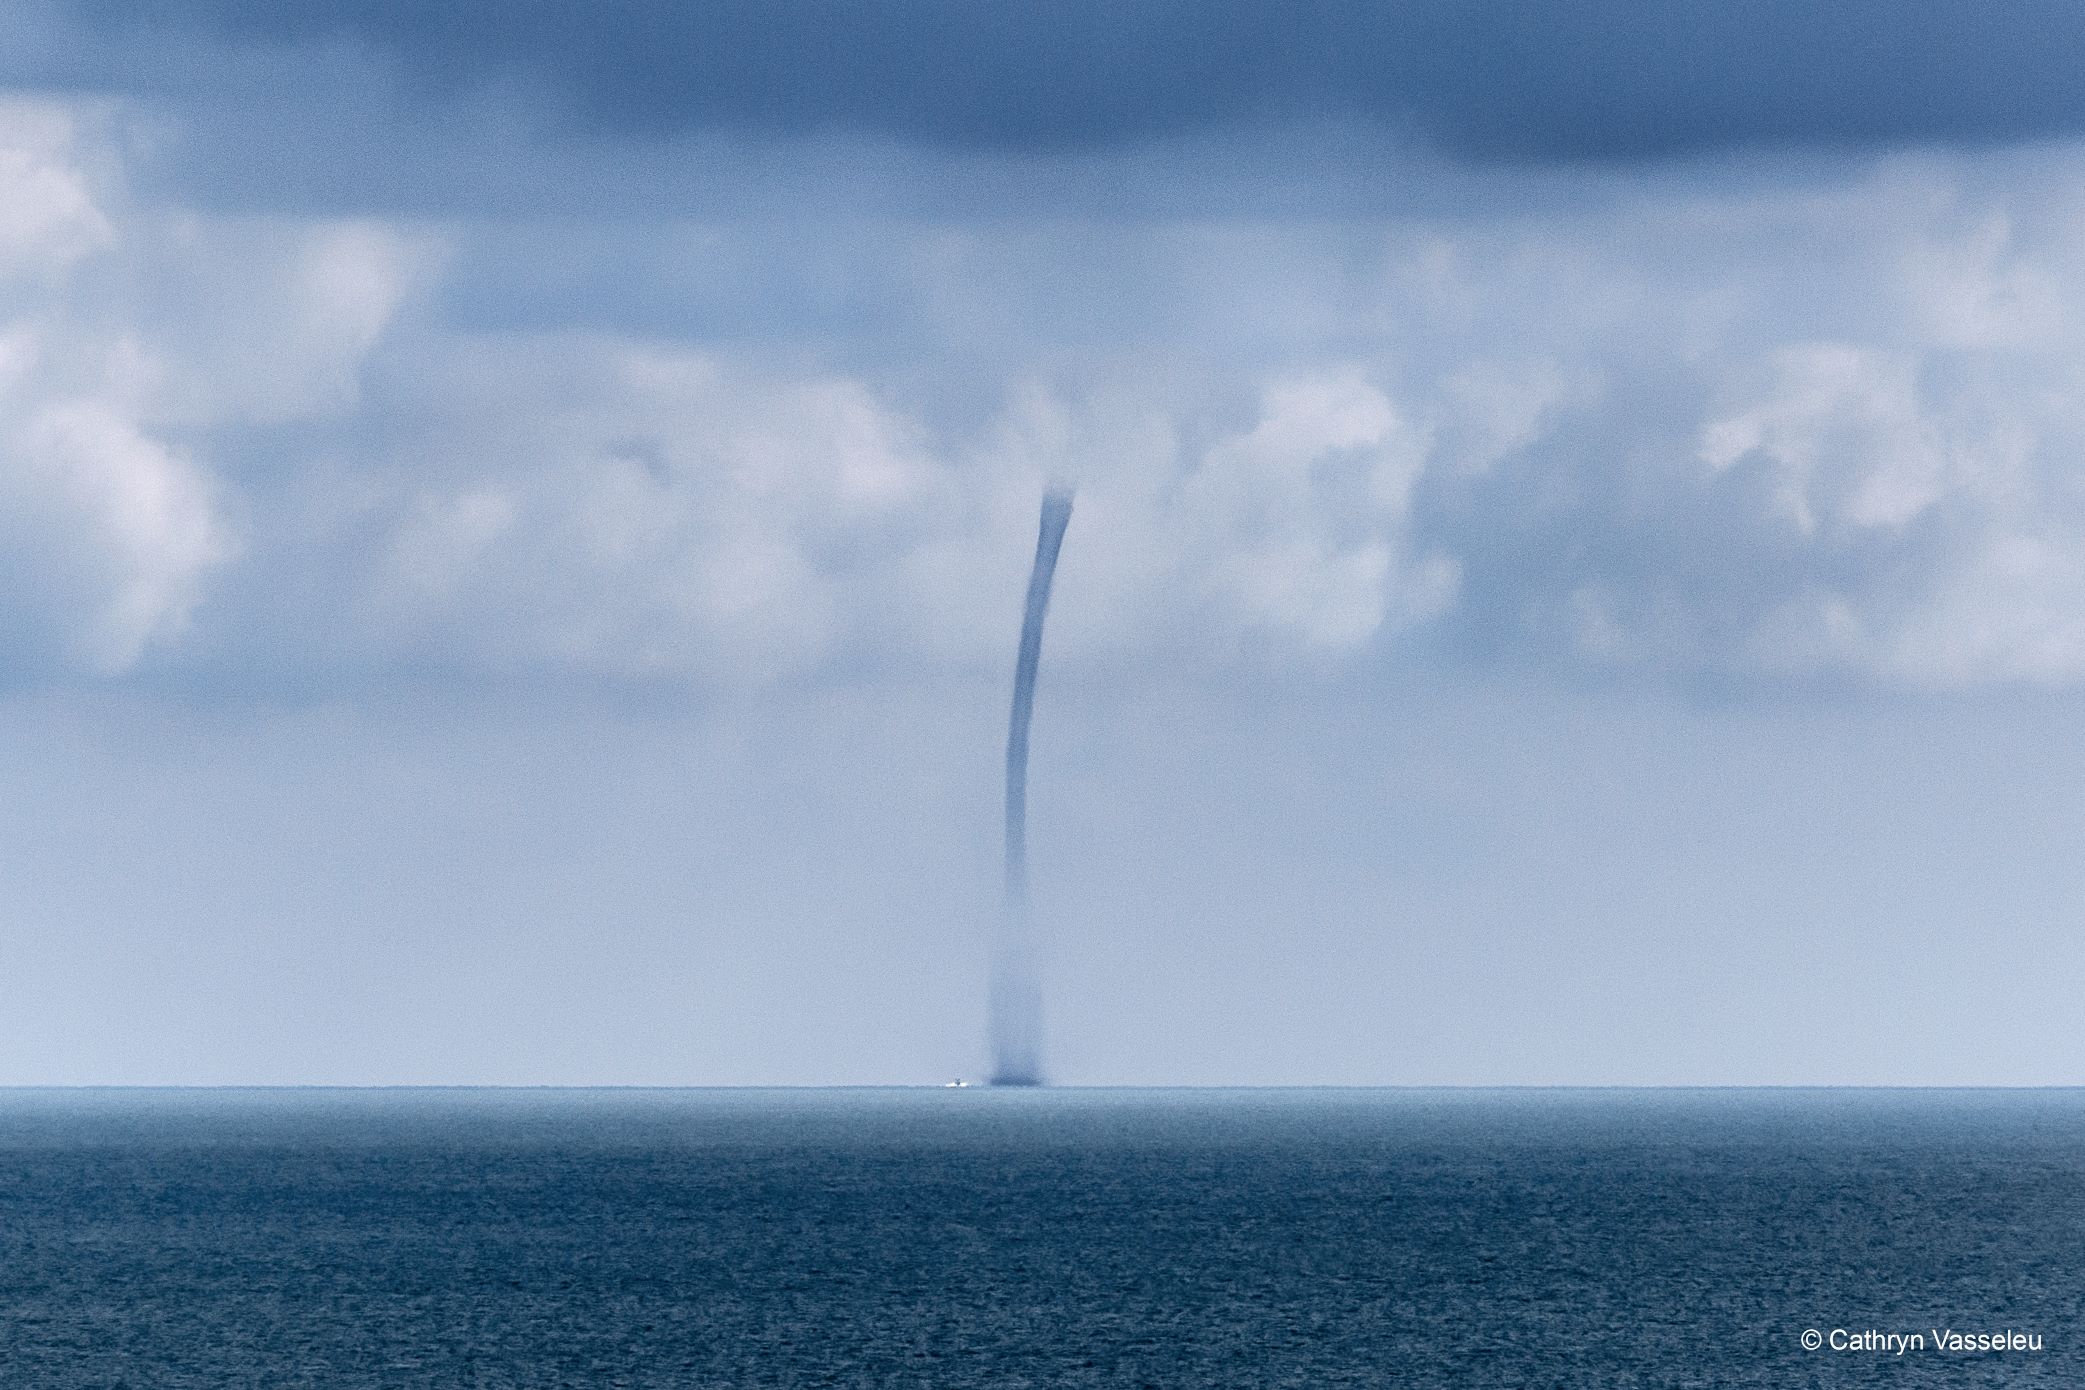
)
(1016, 1003)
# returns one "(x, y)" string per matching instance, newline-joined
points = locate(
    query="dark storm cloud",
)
(1510, 80)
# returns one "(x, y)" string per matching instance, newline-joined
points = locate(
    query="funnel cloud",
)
(1016, 1004)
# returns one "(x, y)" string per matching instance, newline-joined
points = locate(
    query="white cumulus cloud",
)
(1717, 419)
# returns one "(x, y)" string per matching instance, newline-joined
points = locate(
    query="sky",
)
(513, 521)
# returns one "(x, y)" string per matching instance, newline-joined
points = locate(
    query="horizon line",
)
(7, 1086)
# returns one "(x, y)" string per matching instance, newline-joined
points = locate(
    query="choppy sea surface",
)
(951, 1238)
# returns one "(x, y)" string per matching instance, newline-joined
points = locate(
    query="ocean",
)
(154, 1239)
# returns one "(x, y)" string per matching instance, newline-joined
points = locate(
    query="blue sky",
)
(513, 520)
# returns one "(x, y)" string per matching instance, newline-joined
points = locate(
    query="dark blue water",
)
(953, 1238)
